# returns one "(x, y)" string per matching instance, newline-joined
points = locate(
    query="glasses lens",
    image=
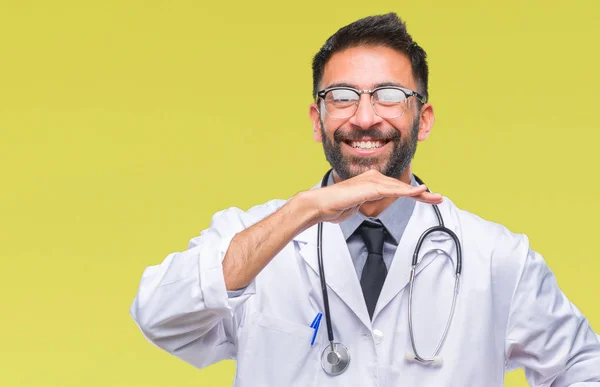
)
(389, 103)
(341, 103)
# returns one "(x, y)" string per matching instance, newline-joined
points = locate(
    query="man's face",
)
(393, 141)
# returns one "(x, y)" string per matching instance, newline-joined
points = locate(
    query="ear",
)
(426, 123)
(315, 115)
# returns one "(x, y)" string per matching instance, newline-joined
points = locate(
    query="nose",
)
(365, 116)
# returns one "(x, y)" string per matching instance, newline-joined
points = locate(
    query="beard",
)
(403, 151)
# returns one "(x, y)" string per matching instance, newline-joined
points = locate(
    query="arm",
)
(546, 334)
(183, 305)
(253, 248)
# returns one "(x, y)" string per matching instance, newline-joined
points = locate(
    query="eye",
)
(341, 97)
(389, 96)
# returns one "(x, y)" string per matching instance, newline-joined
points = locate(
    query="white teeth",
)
(366, 145)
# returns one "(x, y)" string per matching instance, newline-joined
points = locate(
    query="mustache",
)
(371, 133)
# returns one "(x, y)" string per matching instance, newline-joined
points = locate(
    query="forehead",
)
(367, 67)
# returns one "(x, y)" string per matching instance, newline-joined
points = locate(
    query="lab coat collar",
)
(340, 273)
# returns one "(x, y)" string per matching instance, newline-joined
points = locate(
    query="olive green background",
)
(124, 125)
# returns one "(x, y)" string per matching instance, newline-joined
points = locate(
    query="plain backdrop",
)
(124, 125)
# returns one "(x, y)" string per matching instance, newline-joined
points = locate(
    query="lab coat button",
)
(377, 336)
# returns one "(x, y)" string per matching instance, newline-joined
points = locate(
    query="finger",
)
(399, 183)
(406, 189)
(388, 190)
(429, 197)
(383, 179)
(418, 192)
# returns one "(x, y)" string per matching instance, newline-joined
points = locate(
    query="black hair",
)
(381, 30)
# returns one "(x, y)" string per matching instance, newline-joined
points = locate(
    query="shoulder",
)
(235, 217)
(239, 219)
(226, 223)
(493, 248)
(492, 238)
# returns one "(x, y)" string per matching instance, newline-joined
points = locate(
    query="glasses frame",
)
(407, 92)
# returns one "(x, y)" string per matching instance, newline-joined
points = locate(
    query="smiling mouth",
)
(366, 145)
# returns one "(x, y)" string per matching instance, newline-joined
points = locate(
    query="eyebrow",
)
(381, 84)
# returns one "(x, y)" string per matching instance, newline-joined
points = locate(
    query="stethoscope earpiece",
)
(410, 357)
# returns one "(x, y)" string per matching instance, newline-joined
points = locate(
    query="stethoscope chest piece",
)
(335, 359)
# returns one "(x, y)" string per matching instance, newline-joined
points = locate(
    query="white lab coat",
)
(510, 311)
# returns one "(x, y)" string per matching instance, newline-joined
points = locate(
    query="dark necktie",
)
(374, 272)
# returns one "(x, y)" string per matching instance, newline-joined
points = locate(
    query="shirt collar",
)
(394, 218)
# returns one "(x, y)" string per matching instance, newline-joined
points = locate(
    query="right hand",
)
(339, 201)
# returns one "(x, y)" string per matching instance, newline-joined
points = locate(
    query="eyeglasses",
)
(387, 101)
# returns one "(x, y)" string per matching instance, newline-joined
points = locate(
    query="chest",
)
(289, 296)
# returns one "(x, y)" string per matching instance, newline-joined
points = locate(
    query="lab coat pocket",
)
(288, 327)
(280, 352)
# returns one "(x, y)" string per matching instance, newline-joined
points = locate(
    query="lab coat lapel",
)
(340, 273)
(433, 246)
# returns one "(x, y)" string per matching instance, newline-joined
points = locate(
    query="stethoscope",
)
(335, 358)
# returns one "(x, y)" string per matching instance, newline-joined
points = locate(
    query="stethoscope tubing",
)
(323, 282)
(440, 227)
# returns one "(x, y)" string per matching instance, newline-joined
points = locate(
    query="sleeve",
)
(182, 305)
(546, 334)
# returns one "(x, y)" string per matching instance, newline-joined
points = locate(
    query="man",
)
(249, 286)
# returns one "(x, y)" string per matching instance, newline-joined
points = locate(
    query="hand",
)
(339, 201)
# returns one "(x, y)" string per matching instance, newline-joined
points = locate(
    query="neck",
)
(376, 207)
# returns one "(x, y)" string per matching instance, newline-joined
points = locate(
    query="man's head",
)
(359, 132)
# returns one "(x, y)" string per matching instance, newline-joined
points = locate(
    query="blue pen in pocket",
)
(315, 325)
